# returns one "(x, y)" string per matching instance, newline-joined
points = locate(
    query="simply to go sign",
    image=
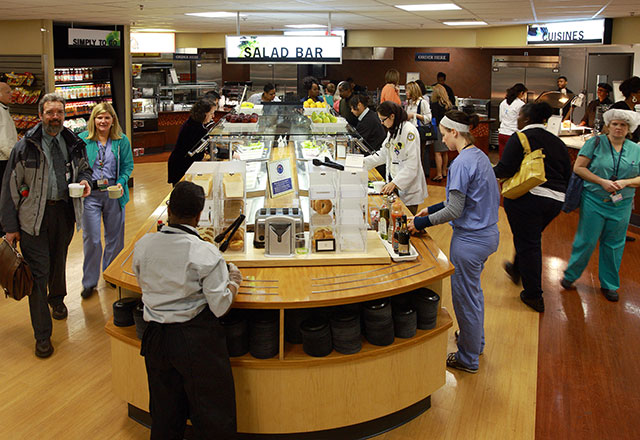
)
(93, 38)
(567, 32)
(274, 49)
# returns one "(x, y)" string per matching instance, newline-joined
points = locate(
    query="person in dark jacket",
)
(345, 91)
(190, 134)
(603, 92)
(35, 209)
(368, 125)
(530, 214)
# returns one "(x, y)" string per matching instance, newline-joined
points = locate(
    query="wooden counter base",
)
(359, 431)
(282, 397)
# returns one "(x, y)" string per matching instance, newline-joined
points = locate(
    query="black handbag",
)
(573, 195)
(426, 131)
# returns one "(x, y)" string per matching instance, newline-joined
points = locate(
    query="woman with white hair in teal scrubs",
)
(610, 168)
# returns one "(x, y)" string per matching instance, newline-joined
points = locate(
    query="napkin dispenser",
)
(280, 236)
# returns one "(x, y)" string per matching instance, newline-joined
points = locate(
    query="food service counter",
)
(353, 396)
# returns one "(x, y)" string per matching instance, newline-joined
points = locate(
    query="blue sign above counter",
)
(426, 56)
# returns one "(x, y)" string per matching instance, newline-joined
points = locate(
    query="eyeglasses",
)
(382, 120)
(54, 112)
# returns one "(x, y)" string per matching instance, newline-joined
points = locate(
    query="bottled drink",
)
(403, 238)
(383, 224)
(396, 218)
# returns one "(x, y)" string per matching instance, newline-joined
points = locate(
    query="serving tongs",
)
(328, 163)
(231, 229)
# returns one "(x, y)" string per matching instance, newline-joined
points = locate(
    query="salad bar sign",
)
(93, 38)
(275, 49)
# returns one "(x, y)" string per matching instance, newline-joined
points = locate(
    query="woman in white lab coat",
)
(401, 153)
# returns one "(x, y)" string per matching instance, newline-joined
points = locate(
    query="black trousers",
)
(528, 216)
(46, 254)
(189, 376)
(425, 158)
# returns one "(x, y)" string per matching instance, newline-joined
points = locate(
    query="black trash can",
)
(138, 318)
(426, 303)
(345, 331)
(316, 336)
(236, 328)
(378, 322)
(123, 311)
(405, 321)
(263, 334)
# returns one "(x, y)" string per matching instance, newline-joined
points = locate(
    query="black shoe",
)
(513, 273)
(44, 349)
(453, 362)
(611, 295)
(59, 311)
(566, 284)
(536, 304)
(87, 292)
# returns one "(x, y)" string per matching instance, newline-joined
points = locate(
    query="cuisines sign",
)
(274, 49)
(93, 38)
(567, 32)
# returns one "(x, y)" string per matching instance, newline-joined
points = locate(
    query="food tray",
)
(329, 127)
(310, 110)
(413, 254)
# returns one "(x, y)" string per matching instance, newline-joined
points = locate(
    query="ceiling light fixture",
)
(430, 7)
(214, 14)
(465, 23)
(153, 30)
(305, 26)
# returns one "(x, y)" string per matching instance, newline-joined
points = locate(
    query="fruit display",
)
(242, 118)
(25, 122)
(310, 103)
(322, 118)
(20, 79)
(247, 104)
(23, 96)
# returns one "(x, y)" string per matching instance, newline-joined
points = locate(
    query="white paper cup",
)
(114, 192)
(377, 186)
(76, 190)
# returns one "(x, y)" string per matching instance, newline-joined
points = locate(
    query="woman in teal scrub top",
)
(610, 168)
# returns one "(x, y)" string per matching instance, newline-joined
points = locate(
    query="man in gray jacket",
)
(36, 210)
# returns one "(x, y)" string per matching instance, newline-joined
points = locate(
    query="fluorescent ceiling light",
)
(430, 7)
(153, 30)
(305, 26)
(465, 23)
(214, 14)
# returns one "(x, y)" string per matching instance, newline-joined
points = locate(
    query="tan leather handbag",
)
(530, 175)
(15, 275)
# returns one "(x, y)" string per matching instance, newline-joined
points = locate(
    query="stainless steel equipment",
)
(477, 106)
(280, 236)
(283, 76)
(537, 73)
(260, 230)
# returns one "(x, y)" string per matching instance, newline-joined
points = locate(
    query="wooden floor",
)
(583, 378)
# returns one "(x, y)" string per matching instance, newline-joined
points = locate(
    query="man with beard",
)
(36, 210)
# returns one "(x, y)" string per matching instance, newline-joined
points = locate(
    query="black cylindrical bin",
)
(345, 331)
(141, 324)
(123, 311)
(316, 336)
(426, 303)
(378, 322)
(405, 321)
(263, 334)
(292, 320)
(236, 328)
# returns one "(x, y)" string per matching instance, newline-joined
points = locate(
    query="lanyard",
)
(467, 146)
(616, 168)
(182, 228)
(102, 156)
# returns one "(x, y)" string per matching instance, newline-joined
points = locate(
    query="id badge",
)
(102, 184)
(615, 198)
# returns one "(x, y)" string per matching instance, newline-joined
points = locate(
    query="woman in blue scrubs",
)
(472, 203)
(610, 169)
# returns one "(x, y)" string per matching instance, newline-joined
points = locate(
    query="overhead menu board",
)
(279, 49)
(568, 32)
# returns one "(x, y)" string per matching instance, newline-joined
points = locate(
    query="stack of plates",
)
(263, 334)
(316, 336)
(123, 311)
(405, 321)
(236, 327)
(345, 331)
(426, 303)
(292, 320)
(141, 324)
(378, 322)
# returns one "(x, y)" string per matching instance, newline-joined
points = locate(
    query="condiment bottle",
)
(403, 237)
(396, 218)
(383, 224)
